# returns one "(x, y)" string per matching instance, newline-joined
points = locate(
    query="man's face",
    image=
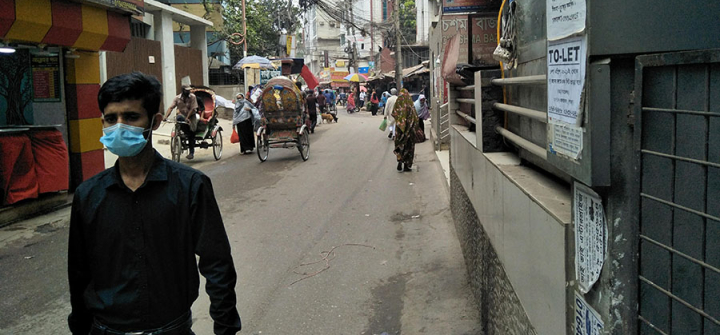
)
(422, 101)
(129, 112)
(185, 92)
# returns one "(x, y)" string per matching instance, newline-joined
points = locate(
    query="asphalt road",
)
(394, 262)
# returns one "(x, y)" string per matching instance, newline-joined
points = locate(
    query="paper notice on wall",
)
(565, 18)
(587, 320)
(590, 236)
(566, 79)
(565, 139)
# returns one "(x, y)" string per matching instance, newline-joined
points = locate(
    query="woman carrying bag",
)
(243, 123)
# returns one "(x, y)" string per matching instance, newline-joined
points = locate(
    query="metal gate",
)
(677, 136)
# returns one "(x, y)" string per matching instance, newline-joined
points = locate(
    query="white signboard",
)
(565, 139)
(587, 320)
(566, 79)
(590, 236)
(565, 18)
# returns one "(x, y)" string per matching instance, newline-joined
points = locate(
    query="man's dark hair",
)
(132, 86)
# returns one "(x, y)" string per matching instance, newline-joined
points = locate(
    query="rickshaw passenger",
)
(186, 104)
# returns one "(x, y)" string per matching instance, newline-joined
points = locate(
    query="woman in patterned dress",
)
(406, 125)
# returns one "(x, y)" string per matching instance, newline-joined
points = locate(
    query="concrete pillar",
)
(82, 84)
(198, 40)
(164, 34)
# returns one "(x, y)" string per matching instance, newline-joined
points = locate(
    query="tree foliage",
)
(408, 21)
(266, 21)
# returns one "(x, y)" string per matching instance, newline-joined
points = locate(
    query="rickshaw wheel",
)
(217, 143)
(262, 147)
(304, 145)
(176, 148)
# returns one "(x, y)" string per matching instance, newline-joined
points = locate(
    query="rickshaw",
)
(207, 131)
(283, 122)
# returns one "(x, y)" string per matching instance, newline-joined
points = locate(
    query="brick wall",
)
(500, 309)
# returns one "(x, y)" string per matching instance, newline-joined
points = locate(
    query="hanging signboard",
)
(484, 39)
(587, 320)
(45, 78)
(465, 6)
(136, 7)
(565, 18)
(590, 236)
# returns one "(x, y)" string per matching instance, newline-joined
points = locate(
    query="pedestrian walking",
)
(243, 123)
(136, 229)
(361, 101)
(406, 124)
(187, 106)
(321, 101)
(311, 103)
(350, 102)
(389, 106)
(423, 112)
(383, 102)
(374, 101)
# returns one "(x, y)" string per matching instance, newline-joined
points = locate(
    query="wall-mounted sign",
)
(363, 69)
(464, 6)
(484, 39)
(266, 75)
(45, 78)
(337, 76)
(136, 7)
(452, 25)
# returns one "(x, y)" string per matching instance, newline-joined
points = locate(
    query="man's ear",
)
(157, 120)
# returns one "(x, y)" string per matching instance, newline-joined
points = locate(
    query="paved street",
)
(394, 266)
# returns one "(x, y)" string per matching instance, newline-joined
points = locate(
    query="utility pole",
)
(398, 47)
(354, 44)
(245, 81)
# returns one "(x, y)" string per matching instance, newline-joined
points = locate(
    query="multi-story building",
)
(321, 33)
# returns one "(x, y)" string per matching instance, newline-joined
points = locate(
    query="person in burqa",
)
(406, 126)
(137, 227)
(243, 123)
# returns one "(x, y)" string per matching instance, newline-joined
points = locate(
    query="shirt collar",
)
(158, 172)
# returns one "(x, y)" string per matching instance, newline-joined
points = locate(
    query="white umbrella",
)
(254, 62)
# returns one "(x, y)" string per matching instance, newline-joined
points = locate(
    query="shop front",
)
(50, 123)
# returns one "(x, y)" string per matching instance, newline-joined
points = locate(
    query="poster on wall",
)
(16, 91)
(484, 39)
(566, 62)
(565, 18)
(464, 6)
(591, 236)
(587, 320)
(45, 78)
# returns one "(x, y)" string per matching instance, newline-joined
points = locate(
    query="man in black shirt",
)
(310, 101)
(136, 228)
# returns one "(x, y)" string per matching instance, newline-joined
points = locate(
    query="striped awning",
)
(64, 23)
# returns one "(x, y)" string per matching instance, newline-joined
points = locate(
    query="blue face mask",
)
(124, 140)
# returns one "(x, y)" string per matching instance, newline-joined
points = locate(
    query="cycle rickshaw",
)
(283, 123)
(207, 131)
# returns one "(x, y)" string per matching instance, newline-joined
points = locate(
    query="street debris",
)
(326, 256)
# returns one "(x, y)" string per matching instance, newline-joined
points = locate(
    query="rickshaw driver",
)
(186, 104)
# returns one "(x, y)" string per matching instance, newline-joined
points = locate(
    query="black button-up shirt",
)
(131, 257)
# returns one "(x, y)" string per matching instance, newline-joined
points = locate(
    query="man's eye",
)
(110, 119)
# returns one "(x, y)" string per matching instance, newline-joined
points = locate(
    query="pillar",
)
(164, 34)
(198, 40)
(82, 78)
